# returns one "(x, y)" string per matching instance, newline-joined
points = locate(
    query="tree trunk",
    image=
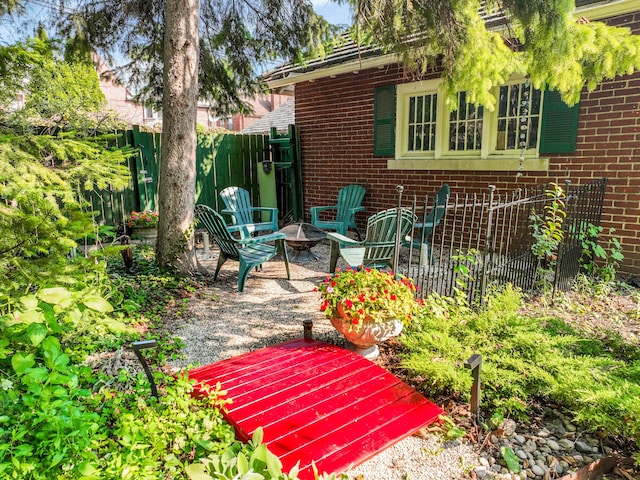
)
(177, 178)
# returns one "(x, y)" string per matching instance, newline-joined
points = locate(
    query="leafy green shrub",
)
(46, 428)
(55, 422)
(250, 461)
(155, 438)
(592, 252)
(524, 358)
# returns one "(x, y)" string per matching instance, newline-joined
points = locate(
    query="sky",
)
(13, 30)
(332, 12)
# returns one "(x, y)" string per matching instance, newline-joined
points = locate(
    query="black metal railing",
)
(487, 238)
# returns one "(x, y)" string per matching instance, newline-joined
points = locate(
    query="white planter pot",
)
(365, 340)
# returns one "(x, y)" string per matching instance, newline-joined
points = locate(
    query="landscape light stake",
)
(205, 242)
(307, 325)
(474, 362)
(143, 345)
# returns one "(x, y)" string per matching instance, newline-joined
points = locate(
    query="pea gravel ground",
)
(222, 323)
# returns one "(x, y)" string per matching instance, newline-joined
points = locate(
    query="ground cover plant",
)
(528, 355)
(65, 419)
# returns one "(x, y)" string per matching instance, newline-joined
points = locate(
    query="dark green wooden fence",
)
(221, 161)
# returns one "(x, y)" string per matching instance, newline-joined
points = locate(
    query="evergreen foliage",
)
(236, 37)
(42, 180)
(541, 39)
(8, 6)
(525, 358)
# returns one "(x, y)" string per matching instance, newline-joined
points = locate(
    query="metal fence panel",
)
(487, 239)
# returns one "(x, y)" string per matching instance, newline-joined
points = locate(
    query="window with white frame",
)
(422, 122)
(427, 129)
(465, 126)
(518, 117)
(150, 113)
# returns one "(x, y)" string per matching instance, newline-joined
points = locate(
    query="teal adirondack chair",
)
(349, 203)
(378, 248)
(238, 204)
(425, 227)
(250, 252)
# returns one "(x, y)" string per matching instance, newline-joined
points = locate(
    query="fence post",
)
(396, 251)
(488, 239)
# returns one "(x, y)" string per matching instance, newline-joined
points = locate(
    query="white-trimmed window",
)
(464, 129)
(428, 129)
(426, 134)
(421, 135)
(518, 117)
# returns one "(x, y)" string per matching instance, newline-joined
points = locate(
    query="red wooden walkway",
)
(317, 402)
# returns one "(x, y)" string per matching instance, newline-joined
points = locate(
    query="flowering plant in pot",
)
(145, 219)
(368, 296)
(368, 306)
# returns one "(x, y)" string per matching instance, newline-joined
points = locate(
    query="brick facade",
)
(335, 116)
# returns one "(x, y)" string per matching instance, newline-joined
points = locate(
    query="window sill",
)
(470, 163)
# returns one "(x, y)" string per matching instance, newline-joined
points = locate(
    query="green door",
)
(286, 158)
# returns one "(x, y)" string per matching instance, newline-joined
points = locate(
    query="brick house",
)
(120, 100)
(363, 120)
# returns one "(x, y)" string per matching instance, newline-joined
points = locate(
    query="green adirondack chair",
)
(250, 252)
(343, 213)
(238, 204)
(378, 248)
(425, 226)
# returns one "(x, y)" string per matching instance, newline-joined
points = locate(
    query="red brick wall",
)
(335, 118)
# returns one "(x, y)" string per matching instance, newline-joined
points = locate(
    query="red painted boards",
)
(318, 402)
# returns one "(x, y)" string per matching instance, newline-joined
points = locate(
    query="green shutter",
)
(559, 129)
(384, 120)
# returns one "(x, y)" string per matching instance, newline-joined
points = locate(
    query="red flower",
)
(349, 303)
(324, 306)
(362, 298)
(355, 321)
(392, 297)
